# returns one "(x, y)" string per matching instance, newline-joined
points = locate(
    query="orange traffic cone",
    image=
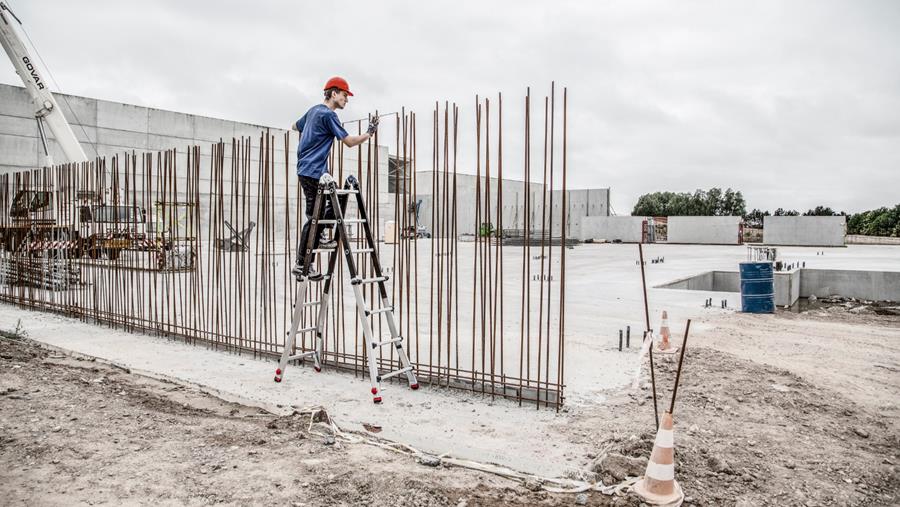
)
(658, 485)
(665, 346)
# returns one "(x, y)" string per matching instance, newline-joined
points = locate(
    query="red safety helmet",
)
(339, 83)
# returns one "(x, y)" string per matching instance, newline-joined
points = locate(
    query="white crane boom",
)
(46, 108)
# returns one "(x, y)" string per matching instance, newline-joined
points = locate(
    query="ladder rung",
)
(401, 371)
(387, 342)
(361, 250)
(312, 303)
(341, 191)
(358, 281)
(301, 356)
(380, 310)
(306, 329)
(354, 221)
(326, 222)
(320, 250)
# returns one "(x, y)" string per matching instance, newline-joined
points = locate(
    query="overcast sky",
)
(795, 103)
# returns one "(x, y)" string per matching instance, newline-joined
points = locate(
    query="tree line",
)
(716, 202)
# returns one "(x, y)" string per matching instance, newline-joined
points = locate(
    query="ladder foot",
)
(414, 386)
(317, 368)
(377, 400)
(277, 379)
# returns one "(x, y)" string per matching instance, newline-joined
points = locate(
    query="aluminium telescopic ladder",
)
(338, 197)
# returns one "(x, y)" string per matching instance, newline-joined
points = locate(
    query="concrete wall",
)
(792, 285)
(541, 208)
(873, 285)
(805, 231)
(704, 230)
(626, 228)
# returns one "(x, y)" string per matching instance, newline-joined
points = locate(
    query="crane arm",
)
(47, 110)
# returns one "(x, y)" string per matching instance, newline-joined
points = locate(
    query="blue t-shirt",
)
(318, 128)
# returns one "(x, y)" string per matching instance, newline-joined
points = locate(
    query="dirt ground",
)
(799, 411)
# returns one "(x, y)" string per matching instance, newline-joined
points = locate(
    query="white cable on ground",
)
(549, 484)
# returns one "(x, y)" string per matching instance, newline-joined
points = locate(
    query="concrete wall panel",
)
(115, 137)
(704, 230)
(78, 110)
(627, 228)
(873, 285)
(14, 101)
(171, 124)
(19, 151)
(805, 231)
(112, 115)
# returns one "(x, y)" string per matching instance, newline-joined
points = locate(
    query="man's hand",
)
(373, 126)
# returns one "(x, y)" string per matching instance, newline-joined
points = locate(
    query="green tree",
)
(712, 202)
(781, 212)
(877, 222)
(755, 218)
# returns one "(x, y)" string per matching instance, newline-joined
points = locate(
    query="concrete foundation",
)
(790, 286)
(805, 231)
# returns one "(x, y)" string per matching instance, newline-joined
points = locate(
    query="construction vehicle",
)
(415, 231)
(66, 222)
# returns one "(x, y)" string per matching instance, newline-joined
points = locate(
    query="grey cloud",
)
(783, 100)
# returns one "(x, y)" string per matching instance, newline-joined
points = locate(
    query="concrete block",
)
(14, 101)
(124, 138)
(124, 117)
(169, 123)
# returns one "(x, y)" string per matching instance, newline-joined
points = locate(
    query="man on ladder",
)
(318, 128)
(326, 205)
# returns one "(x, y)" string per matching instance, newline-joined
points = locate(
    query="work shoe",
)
(314, 276)
(327, 243)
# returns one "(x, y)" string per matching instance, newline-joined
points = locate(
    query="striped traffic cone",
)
(665, 346)
(658, 485)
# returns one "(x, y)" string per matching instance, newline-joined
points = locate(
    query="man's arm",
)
(351, 141)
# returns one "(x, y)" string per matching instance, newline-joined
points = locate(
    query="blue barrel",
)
(757, 287)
